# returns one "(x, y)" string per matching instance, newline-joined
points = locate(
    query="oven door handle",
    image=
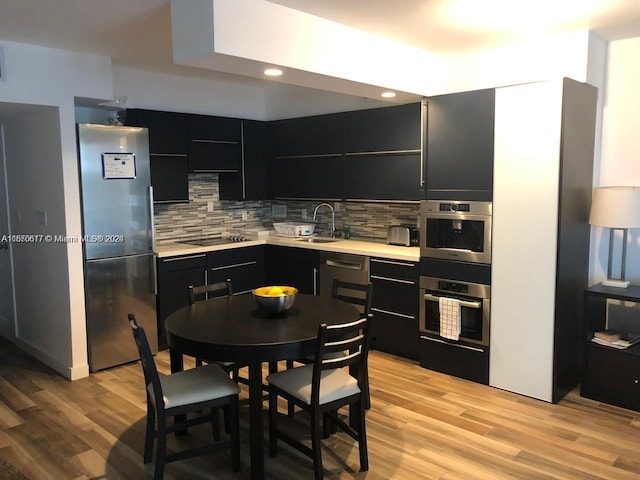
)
(463, 303)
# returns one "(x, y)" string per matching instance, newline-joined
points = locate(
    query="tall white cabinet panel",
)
(542, 190)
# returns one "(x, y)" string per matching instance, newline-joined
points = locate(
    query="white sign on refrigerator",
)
(118, 165)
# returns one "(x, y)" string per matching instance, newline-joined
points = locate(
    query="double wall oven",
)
(455, 273)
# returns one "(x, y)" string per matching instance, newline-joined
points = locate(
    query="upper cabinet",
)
(307, 136)
(459, 146)
(383, 130)
(251, 182)
(383, 159)
(307, 157)
(215, 144)
(168, 149)
(361, 155)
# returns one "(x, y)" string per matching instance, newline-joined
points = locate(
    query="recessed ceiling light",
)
(388, 94)
(273, 72)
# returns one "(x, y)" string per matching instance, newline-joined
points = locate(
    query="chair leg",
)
(290, 405)
(215, 423)
(198, 362)
(362, 435)
(316, 446)
(149, 433)
(273, 423)
(234, 421)
(365, 392)
(161, 448)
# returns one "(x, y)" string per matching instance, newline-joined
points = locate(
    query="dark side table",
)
(609, 375)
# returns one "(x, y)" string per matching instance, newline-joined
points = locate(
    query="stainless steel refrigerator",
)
(118, 240)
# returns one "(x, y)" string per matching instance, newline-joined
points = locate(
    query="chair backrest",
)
(353, 338)
(214, 290)
(358, 294)
(151, 376)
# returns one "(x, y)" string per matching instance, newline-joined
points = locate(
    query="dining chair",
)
(206, 292)
(359, 295)
(324, 386)
(199, 389)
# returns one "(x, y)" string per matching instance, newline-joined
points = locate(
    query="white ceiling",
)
(137, 33)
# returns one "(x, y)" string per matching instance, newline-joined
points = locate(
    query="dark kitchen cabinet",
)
(383, 177)
(317, 135)
(168, 152)
(610, 375)
(459, 146)
(383, 159)
(251, 182)
(320, 178)
(395, 305)
(215, 144)
(291, 266)
(306, 156)
(386, 129)
(243, 265)
(175, 274)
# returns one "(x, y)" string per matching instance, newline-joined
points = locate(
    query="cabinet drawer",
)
(395, 334)
(613, 376)
(244, 266)
(395, 269)
(171, 264)
(457, 360)
(396, 295)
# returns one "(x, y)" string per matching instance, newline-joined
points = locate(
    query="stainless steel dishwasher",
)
(344, 266)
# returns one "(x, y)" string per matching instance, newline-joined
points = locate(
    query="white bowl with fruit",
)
(275, 299)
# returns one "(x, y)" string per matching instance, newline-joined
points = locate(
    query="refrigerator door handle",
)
(154, 275)
(153, 227)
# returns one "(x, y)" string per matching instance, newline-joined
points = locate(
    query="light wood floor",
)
(422, 425)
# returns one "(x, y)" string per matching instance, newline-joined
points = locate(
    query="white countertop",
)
(358, 247)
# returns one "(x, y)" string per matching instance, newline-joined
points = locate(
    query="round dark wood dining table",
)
(236, 330)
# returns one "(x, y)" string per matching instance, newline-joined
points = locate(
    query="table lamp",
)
(617, 208)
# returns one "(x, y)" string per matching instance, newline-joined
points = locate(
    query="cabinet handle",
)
(215, 170)
(396, 280)
(224, 142)
(423, 144)
(242, 161)
(382, 152)
(315, 280)
(372, 200)
(395, 314)
(177, 155)
(235, 265)
(321, 155)
(392, 262)
(188, 257)
(437, 340)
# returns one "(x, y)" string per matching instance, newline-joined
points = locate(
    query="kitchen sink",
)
(319, 240)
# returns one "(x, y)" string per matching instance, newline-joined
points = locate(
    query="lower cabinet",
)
(175, 274)
(395, 306)
(462, 361)
(611, 375)
(291, 266)
(244, 266)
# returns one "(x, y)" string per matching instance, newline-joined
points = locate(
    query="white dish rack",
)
(294, 229)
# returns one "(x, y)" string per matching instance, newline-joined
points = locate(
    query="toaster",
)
(404, 235)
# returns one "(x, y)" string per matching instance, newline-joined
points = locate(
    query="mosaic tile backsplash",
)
(206, 215)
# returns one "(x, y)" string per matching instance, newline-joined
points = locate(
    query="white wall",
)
(620, 152)
(50, 77)
(34, 176)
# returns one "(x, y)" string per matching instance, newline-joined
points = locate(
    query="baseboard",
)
(70, 373)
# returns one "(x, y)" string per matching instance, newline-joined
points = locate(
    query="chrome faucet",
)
(333, 216)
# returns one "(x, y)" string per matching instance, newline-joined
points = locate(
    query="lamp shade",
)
(616, 207)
